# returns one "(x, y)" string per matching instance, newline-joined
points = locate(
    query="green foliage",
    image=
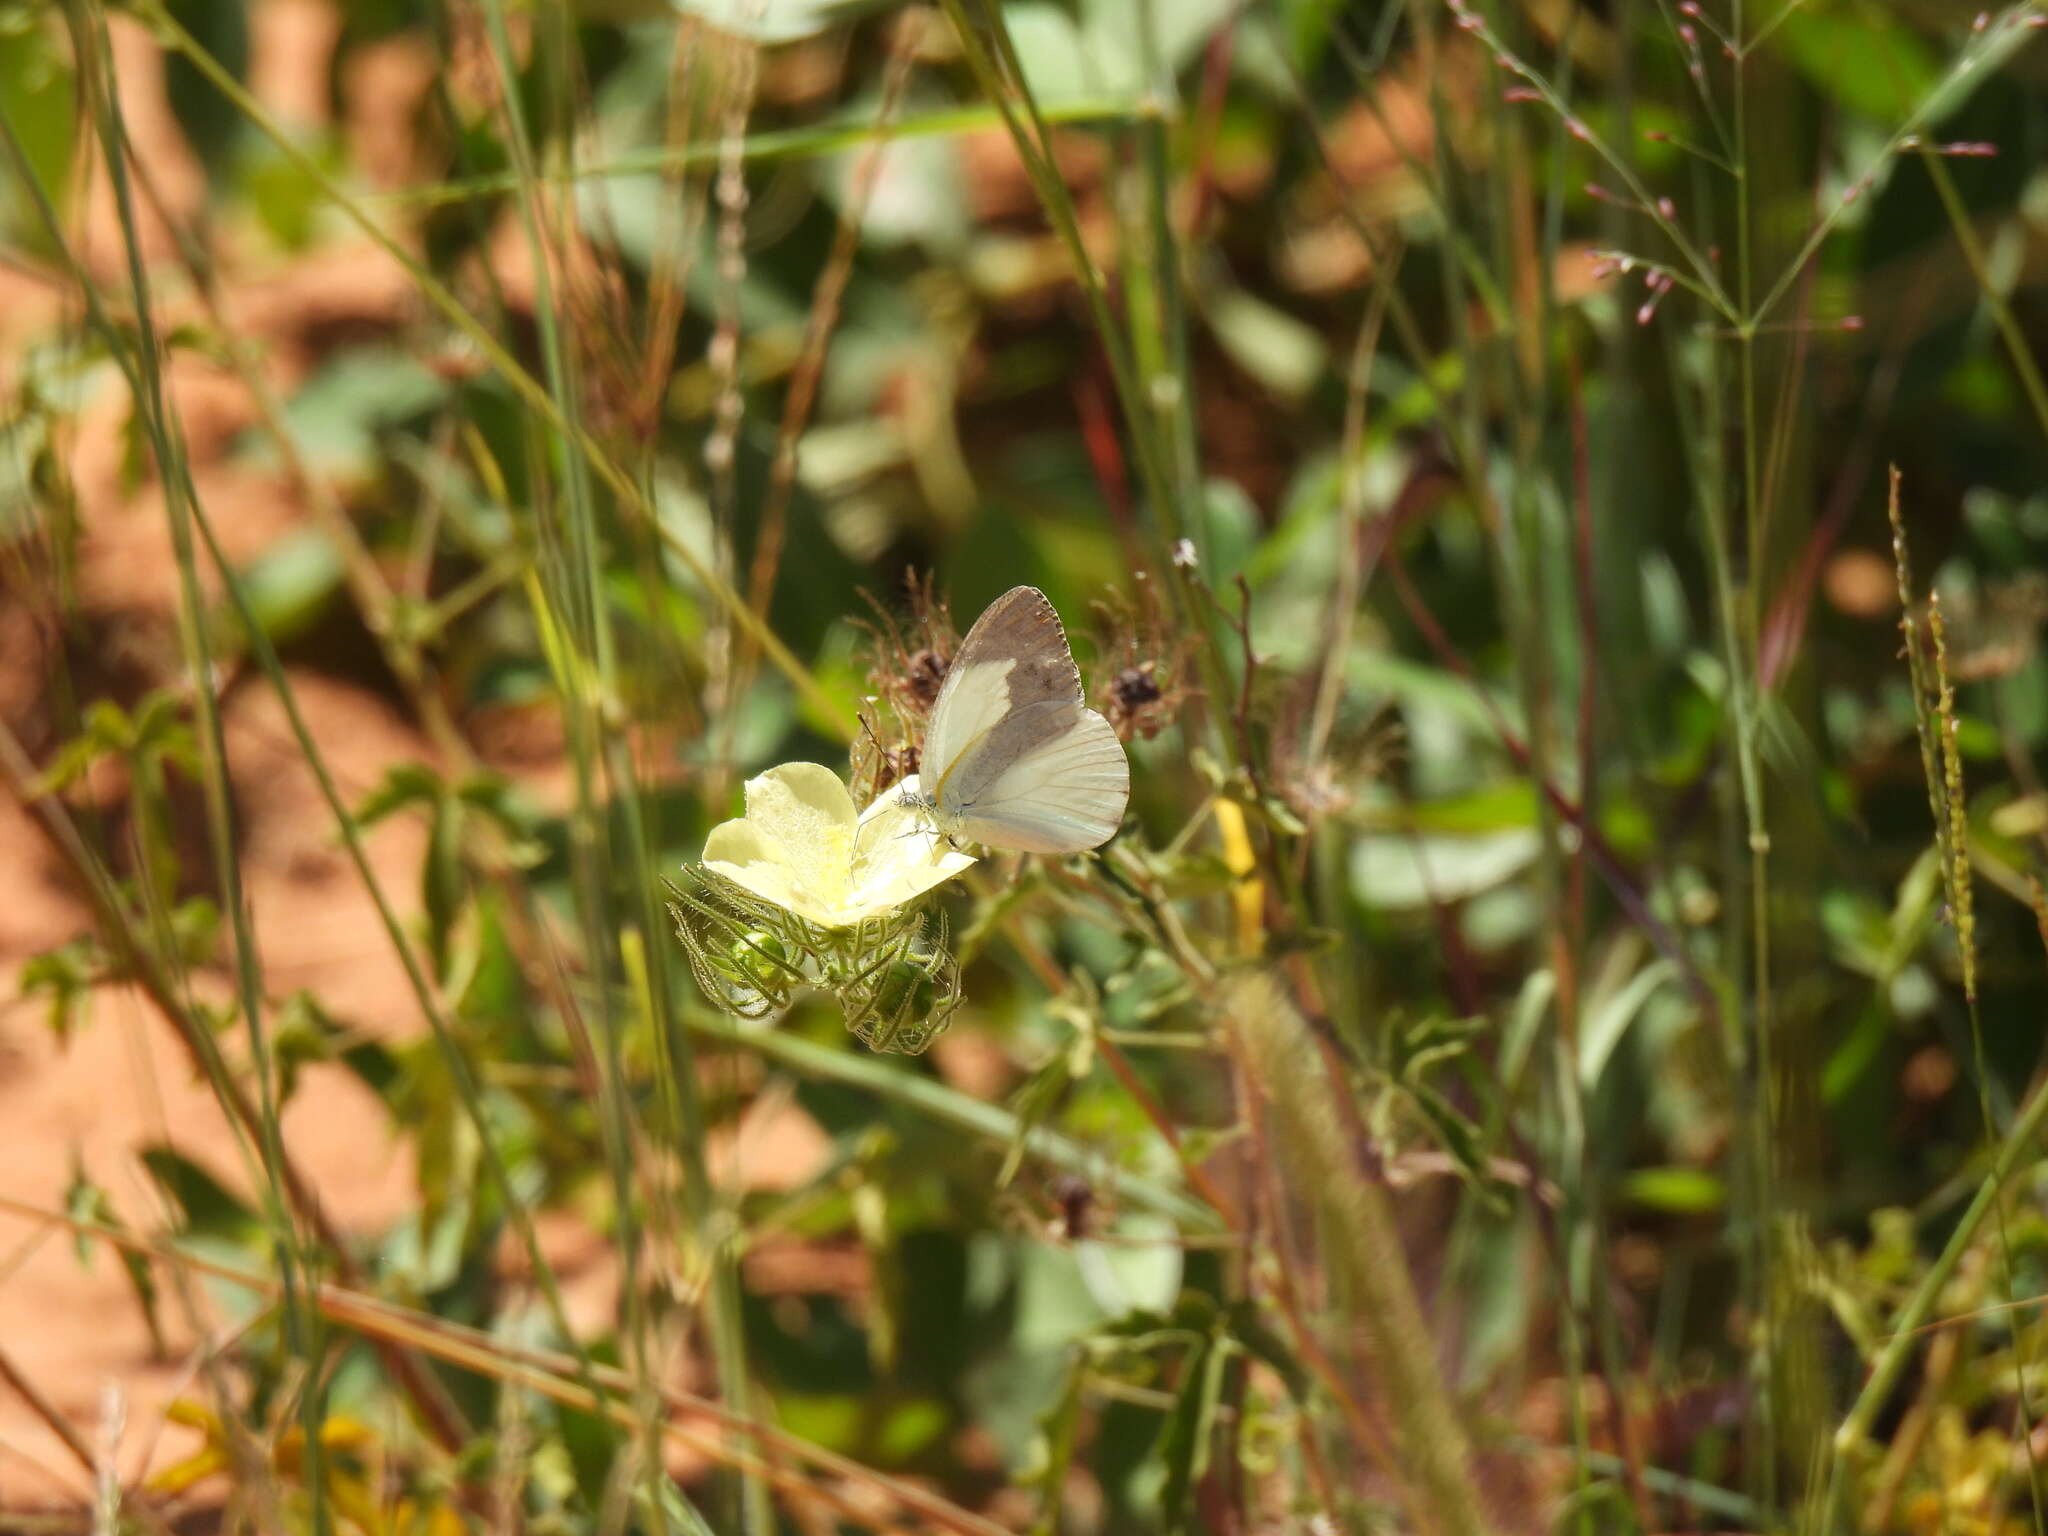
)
(1562, 969)
(87, 1203)
(476, 826)
(65, 976)
(893, 976)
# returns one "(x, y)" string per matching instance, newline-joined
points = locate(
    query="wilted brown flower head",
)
(1076, 1200)
(1140, 692)
(924, 674)
(907, 661)
(1355, 752)
(1135, 687)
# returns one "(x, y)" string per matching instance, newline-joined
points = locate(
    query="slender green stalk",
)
(2017, 347)
(1152, 427)
(595, 745)
(1745, 685)
(302, 1328)
(582, 584)
(531, 392)
(964, 1113)
(1989, 47)
(156, 976)
(1364, 1247)
(1703, 271)
(554, 1374)
(1034, 148)
(468, 1090)
(764, 147)
(1522, 575)
(2022, 1141)
(1171, 388)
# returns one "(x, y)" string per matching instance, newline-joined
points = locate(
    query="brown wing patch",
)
(1023, 627)
(1015, 656)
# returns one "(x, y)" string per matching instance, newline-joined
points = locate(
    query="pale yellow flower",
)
(801, 846)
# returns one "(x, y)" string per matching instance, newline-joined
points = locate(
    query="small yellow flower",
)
(801, 846)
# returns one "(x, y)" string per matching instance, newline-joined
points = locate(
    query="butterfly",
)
(1013, 757)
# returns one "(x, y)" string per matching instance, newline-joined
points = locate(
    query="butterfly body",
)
(1013, 757)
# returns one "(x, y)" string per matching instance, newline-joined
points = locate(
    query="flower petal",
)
(803, 808)
(898, 855)
(797, 799)
(740, 852)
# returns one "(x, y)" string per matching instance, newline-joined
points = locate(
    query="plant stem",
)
(531, 392)
(1365, 1251)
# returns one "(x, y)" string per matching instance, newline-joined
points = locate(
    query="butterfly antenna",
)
(868, 726)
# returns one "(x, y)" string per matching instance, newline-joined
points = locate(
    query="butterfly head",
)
(930, 816)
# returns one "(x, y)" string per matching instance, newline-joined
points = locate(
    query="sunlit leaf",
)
(1392, 870)
(1675, 1191)
(206, 1208)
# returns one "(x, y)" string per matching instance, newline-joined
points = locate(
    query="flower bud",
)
(906, 991)
(759, 959)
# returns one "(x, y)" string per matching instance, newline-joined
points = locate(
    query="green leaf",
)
(208, 1209)
(1609, 1021)
(1253, 1334)
(405, 784)
(290, 585)
(37, 83)
(86, 1201)
(1105, 54)
(39, 89)
(107, 731)
(280, 193)
(1417, 685)
(306, 1032)
(24, 459)
(1056, 65)
(1030, 1105)
(1675, 1191)
(337, 417)
(1496, 808)
(1455, 1133)
(1190, 1431)
(1230, 536)
(1180, 29)
(1141, 1270)
(948, 1106)
(210, 120)
(1400, 871)
(500, 802)
(195, 930)
(1059, 1432)
(1287, 356)
(65, 975)
(443, 883)
(776, 21)
(1859, 1049)
(1306, 25)
(1862, 60)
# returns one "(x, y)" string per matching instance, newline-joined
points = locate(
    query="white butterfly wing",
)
(1050, 778)
(1015, 655)
(1012, 756)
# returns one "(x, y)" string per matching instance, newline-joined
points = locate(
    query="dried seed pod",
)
(904, 995)
(907, 662)
(924, 675)
(1141, 693)
(909, 656)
